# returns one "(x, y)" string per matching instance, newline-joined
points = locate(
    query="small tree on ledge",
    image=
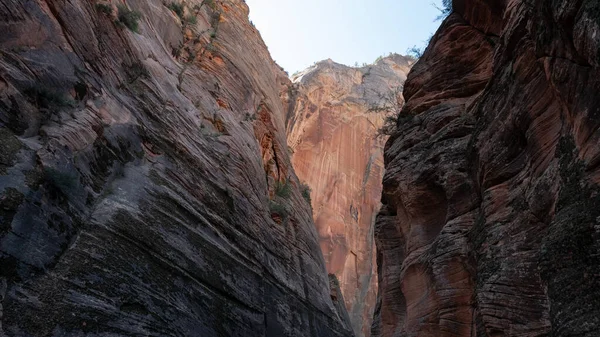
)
(445, 10)
(391, 104)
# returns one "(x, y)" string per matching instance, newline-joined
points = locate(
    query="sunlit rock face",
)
(491, 211)
(138, 177)
(336, 152)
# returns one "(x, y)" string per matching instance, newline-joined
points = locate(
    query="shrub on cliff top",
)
(445, 10)
(128, 18)
(415, 52)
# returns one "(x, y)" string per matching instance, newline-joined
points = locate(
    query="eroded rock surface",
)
(139, 177)
(336, 151)
(490, 221)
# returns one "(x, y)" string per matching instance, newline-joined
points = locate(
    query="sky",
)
(301, 32)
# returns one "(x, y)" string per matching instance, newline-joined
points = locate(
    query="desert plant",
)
(128, 18)
(278, 211)
(63, 181)
(209, 3)
(191, 19)
(177, 8)
(250, 117)
(47, 98)
(390, 104)
(104, 8)
(215, 18)
(415, 52)
(211, 47)
(283, 188)
(445, 9)
(305, 190)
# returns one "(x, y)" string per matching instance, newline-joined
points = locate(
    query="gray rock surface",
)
(139, 176)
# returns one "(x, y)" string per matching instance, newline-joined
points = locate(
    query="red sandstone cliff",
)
(491, 205)
(336, 151)
(145, 182)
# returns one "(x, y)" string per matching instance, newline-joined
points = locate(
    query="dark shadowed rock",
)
(490, 223)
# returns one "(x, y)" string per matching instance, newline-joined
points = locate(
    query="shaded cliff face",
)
(139, 177)
(336, 152)
(490, 223)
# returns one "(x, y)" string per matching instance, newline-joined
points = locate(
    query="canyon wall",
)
(146, 185)
(336, 152)
(490, 224)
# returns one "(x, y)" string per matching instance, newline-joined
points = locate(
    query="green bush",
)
(65, 182)
(278, 209)
(177, 8)
(191, 19)
(209, 3)
(47, 98)
(104, 8)
(415, 52)
(283, 189)
(445, 10)
(129, 18)
(215, 19)
(305, 190)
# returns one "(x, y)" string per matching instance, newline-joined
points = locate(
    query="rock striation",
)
(490, 224)
(145, 182)
(336, 152)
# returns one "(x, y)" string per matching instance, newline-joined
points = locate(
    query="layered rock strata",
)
(146, 186)
(490, 224)
(333, 134)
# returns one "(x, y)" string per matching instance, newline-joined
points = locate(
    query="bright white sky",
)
(301, 32)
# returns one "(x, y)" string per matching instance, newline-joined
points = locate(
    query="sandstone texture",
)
(336, 151)
(490, 224)
(146, 187)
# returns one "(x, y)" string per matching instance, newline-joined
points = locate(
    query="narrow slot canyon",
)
(334, 134)
(162, 175)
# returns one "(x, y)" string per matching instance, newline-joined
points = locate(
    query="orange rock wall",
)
(490, 218)
(336, 152)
